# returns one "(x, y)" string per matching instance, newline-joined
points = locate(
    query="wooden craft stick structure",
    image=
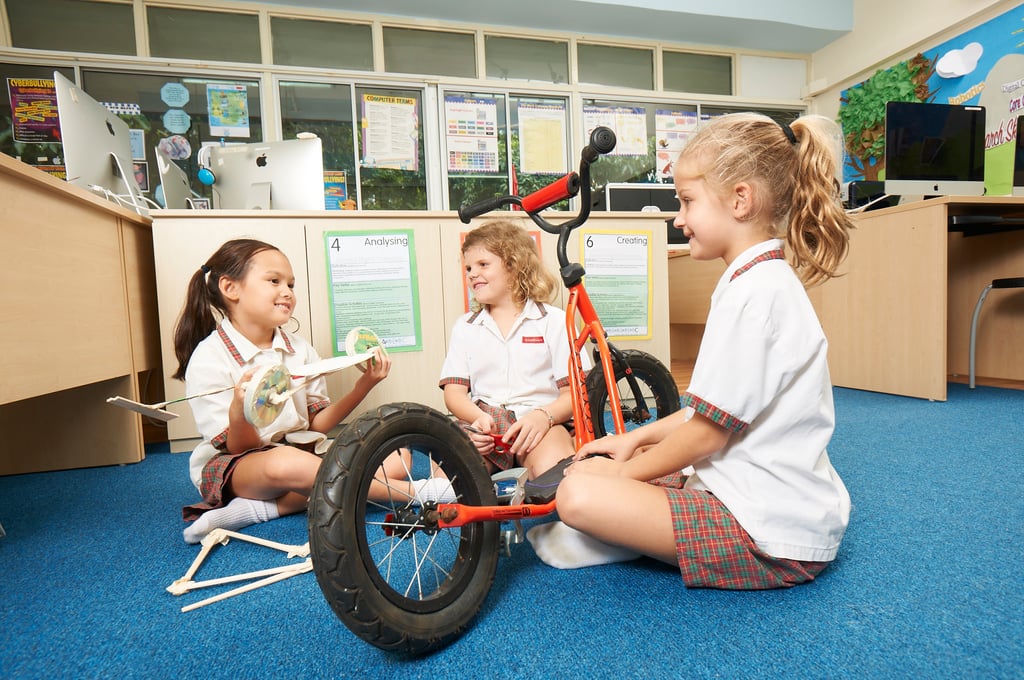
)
(266, 576)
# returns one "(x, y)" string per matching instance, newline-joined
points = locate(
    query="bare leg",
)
(612, 513)
(556, 445)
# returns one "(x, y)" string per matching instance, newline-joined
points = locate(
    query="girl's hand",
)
(620, 447)
(482, 438)
(527, 432)
(596, 465)
(378, 368)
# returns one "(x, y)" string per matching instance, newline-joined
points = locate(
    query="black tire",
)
(657, 386)
(419, 587)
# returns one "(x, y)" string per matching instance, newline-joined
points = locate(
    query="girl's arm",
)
(694, 440)
(327, 418)
(460, 405)
(654, 450)
(623, 446)
(527, 432)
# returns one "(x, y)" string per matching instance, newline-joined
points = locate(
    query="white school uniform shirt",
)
(762, 374)
(520, 372)
(219, 361)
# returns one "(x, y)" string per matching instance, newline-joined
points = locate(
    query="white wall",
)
(888, 31)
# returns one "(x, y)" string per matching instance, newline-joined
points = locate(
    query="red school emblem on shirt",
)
(533, 339)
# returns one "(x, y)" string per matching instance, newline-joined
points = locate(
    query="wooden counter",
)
(80, 324)
(898, 319)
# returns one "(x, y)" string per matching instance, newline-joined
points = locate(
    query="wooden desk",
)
(80, 324)
(690, 284)
(898, 320)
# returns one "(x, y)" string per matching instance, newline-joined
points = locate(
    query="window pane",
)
(325, 110)
(520, 59)
(176, 113)
(321, 44)
(476, 147)
(35, 144)
(666, 126)
(204, 36)
(778, 115)
(408, 50)
(704, 73)
(392, 171)
(72, 26)
(616, 66)
(544, 123)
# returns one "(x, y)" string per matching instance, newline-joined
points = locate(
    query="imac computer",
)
(286, 175)
(97, 153)
(630, 196)
(1018, 161)
(934, 149)
(173, 182)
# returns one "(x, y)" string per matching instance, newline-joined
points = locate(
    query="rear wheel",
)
(656, 394)
(392, 576)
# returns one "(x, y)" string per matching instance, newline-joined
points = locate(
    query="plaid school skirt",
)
(213, 483)
(714, 551)
(503, 419)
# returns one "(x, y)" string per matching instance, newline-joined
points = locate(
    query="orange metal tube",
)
(456, 514)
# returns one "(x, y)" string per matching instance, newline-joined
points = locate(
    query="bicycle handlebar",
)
(602, 141)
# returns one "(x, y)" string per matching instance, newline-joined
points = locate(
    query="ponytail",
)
(202, 296)
(818, 230)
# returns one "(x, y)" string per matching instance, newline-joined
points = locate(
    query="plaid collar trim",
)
(280, 339)
(532, 310)
(776, 254)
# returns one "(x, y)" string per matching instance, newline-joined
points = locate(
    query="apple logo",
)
(261, 161)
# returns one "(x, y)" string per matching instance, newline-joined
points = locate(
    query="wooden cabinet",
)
(80, 324)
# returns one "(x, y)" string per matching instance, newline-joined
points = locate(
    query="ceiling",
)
(795, 26)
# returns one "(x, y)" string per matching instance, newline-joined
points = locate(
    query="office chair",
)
(1017, 282)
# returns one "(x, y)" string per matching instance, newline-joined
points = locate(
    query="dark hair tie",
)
(789, 133)
(205, 269)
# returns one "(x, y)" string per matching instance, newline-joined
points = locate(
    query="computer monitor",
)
(97, 152)
(286, 175)
(1018, 161)
(631, 196)
(174, 184)
(934, 149)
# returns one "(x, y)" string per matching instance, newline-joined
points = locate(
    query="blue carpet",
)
(929, 581)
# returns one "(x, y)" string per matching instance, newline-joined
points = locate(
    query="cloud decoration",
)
(958, 63)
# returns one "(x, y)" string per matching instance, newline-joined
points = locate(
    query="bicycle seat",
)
(542, 489)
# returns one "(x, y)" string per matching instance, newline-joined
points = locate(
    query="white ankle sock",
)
(239, 513)
(559, 545)
(436, 489)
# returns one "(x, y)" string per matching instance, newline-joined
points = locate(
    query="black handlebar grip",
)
(468, 212)
(602, 140)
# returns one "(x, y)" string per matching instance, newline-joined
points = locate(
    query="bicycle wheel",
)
(392, 576)
(656, 386)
